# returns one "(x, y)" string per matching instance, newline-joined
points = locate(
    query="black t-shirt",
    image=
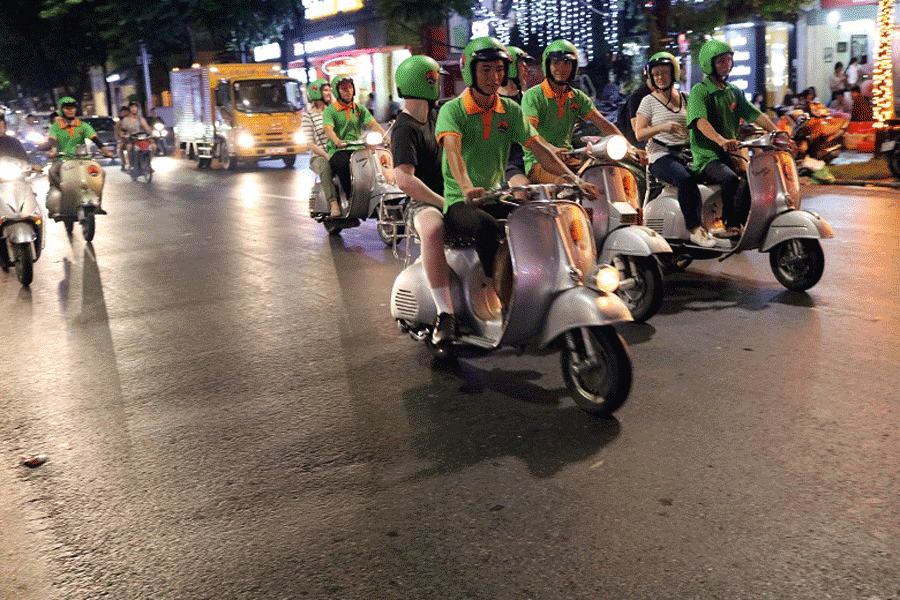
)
(413, 143)
(631, 107)
(10, 147)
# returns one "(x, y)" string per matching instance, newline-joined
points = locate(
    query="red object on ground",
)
(860, 136)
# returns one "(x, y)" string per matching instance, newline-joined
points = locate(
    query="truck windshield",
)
(267, 95)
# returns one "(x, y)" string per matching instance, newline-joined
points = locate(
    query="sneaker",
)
(444, 330)
(701, 238)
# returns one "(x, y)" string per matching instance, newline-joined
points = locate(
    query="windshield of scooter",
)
(267, 95)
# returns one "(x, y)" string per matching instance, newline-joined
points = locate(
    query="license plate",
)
(888, 145)
(277, 151)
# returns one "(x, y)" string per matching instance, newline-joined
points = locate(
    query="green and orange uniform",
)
(485, 139)
(554, 115)
(347, 121)
(69, 138)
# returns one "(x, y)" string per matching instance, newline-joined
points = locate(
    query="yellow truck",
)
(236, 113)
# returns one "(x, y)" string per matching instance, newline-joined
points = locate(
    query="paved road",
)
(229, 412)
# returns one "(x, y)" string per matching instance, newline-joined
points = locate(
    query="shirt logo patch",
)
(574, 107)
(503, 126)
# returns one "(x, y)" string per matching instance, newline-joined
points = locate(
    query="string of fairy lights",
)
(578, 21)
(882, 74)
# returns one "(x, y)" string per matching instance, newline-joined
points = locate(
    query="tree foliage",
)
(699, 20)
(408, 20)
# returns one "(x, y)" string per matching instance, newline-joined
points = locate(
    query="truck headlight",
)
(299, 138)
(245, 140)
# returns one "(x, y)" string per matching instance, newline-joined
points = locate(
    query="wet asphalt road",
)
(230, 413)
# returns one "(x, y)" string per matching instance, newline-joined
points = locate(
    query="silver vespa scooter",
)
(775, 224)
(551, 292)
(374, 194)
(22, 223)
(79, 193)
(631, 248)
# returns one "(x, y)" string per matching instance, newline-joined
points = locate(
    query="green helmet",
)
(418, 77)
(560, 49)
(336, 84)
(663, 58)
(314, 89)
(517, 54)
(710, 51)
(481, 49)
(66, 100)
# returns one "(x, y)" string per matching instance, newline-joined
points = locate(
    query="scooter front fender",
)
(633, 240)
(20, 232)
(796, 224)
(581, 307)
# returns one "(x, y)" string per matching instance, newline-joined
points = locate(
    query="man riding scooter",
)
(554, 106)
(66, 134)
(476, 130)
(343, 121)
(417, 167)
(130, 124)
(715, 109)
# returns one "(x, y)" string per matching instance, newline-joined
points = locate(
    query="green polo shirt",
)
(69, 138)
(554, 116)
(347, 121)
(485, 138)
(723, 108)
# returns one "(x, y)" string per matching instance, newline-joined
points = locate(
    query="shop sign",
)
(829, 4)
(344, 65)
(743, 72)
(317, 9)
(325, 44)
(267, 52)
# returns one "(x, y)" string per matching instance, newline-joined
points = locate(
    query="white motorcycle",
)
(624, 243)
(78, 196)
(374, 194)
(22, 223)
(550, 292)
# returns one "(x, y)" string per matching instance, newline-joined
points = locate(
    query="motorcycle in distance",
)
(615, 217)
(374, 193)
(139, 157)
(160, 136)
(550, 292)
(22, 224)
(79, 192)
(775, 223)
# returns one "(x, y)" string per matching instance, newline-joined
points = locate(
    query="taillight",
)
(93, 170)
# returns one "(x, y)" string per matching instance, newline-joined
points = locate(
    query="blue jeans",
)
(670, 169)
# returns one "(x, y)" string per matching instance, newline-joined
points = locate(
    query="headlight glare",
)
(607, 279)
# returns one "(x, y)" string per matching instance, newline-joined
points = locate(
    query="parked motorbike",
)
(374, 193)
(139, 151)
(775, 224)
(817, 133)
(624, 243)
(22, 225)
(548, 291)
(78, 196)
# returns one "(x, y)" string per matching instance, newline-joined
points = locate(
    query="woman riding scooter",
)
(661, 119)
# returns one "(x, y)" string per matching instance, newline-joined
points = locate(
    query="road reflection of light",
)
(41, 185)
(305, 183)
(164, 164)
(249, 192)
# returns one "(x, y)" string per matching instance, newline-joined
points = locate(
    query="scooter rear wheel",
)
(596, 368)
(797, 263)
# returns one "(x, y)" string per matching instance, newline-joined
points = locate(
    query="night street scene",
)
(452, 300)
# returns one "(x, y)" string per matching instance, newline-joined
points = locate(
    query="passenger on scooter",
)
(319, 94)
(476, 130)
(661, 119)
(715, 109)
(417, 168)
(517, 79)
(554, 106)
(343, 121)
(132, 124)
(66, 134)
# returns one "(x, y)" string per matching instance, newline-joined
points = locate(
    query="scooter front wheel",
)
(797, 263)
(24, 264)
(641, 287)
(70, 225)
(596, 368)
(88, 225)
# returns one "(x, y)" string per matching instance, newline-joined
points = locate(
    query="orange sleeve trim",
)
(530, 140)
(446, 133)
(534, 121)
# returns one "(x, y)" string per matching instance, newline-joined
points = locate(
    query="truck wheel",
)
(228, 161)
(289, 160)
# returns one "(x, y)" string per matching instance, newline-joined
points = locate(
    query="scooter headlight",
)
(245, 140)
(299, 138)
(10, 170)
(607, 279)
(613, 147)
(35, 138)
(373, 138)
